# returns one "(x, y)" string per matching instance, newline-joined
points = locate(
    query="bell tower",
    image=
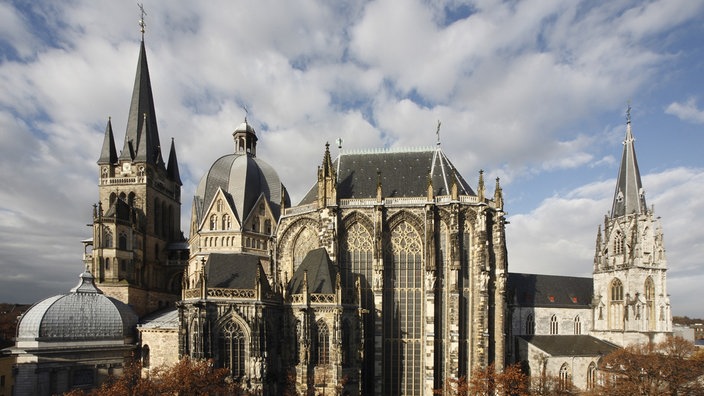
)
(139, 251)
(630, 291)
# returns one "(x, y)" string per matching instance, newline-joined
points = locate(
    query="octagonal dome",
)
(84, 314)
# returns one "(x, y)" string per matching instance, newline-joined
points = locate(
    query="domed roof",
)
(84, 314)
(244, 177)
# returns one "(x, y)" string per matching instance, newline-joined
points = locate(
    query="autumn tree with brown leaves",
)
(487, 382)
(186, 377)
(673, 367)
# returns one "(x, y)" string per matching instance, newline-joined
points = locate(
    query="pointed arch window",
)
(554, 325)
(619, 243)
(616, 304)
(108, 241)
(213, 222)
(323, 343)
(564, 377)
(577, 325)
(403, 300)
(591, 376)
(530, 324)
(226, 222)
(305, 242)
(232, 348)
(218, 205)
(122, 241)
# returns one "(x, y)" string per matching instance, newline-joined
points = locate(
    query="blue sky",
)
(533, 92)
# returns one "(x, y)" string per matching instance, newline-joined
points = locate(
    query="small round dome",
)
(84, 314)
(244, 127)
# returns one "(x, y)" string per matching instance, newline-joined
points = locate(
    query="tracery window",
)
(564, 377)
(530, 325)
(232, 348)
(323, 350)
(226, 222)
(554, 325)
(305, 242)
(616, 304)
(402, 298)
(356, 259)
(107, 238)
(122, 241)
(619, 243)
(577, 325)
(213, 222)
(157, 216)
(591, 376)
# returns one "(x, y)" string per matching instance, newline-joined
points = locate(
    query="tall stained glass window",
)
(402, 314)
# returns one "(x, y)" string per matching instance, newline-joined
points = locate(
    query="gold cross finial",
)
(142, 24)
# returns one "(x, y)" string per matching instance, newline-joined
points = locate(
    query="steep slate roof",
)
(321, 274)
(532, 290)
(172, 167)
(403, 174)
(142, 135)
(234, 271)
(108, 154)
(571, 345)
(629, 196)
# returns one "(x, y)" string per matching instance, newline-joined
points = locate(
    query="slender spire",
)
(629, 196)
(172, 168)
(145, 148)
(108, 154)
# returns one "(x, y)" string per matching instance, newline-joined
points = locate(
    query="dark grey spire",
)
(143, 148)
(108, 154)
(629, 196)
(172, 168)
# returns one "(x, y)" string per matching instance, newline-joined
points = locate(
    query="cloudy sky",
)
(533, 92)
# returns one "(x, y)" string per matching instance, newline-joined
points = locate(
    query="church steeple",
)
(629, 197)
(108, 154)
(138, 146)
(172, 168)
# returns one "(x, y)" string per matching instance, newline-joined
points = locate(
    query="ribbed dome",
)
(84, 314)
(244, 177)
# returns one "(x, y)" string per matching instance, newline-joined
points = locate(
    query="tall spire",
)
(147, 149)
(172, 168)
(629, 196)
(108, 154)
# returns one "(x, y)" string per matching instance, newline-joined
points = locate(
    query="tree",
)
(186, 377)
(487, 382)
(670, 368)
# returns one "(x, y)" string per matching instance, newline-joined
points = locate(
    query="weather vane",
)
(628, 112)
(142, 24)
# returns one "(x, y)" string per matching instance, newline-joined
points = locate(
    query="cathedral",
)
(389, 277)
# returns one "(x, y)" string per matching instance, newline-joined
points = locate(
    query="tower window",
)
(530, 325)
(323, 343)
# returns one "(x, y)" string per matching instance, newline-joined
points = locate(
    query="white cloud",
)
(687, 111)
(519, 88)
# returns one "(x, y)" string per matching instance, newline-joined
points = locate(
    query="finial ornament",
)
(437, 133)
(246, 113)
(628, 113)
(142, 24)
